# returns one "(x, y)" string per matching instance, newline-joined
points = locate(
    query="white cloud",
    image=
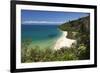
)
(41, 22)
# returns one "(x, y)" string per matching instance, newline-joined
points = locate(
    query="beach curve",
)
(63, 41)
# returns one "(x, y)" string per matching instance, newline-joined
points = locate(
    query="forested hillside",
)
(80, 30)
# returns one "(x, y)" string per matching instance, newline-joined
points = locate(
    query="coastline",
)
(63, 41)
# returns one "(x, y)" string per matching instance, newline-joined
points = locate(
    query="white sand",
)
(63, 42)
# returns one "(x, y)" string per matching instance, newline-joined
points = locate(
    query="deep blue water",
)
(39, 32)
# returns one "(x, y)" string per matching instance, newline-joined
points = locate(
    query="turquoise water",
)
(42, 36)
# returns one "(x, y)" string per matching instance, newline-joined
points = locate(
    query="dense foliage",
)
(80, 30)
(36, 55)
(77, 29)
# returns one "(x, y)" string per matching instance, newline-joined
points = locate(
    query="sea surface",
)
(43, 36)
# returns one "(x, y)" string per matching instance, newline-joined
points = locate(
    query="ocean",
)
(43, 36)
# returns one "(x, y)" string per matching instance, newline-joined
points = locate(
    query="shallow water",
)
(43, 36)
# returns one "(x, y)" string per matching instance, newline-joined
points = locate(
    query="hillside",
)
(80, 30)
(81, 25)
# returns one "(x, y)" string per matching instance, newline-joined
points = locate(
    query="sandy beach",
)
(63, 41)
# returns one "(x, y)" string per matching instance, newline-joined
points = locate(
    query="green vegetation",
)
(36, 55)
(77, 29)
(80, 30)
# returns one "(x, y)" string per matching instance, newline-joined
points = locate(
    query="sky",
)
(34, 17)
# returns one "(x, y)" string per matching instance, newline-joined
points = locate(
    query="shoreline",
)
(63, 41)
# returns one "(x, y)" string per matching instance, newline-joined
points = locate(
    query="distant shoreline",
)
(63, 41)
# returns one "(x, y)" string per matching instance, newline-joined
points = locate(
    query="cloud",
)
(41, 22)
